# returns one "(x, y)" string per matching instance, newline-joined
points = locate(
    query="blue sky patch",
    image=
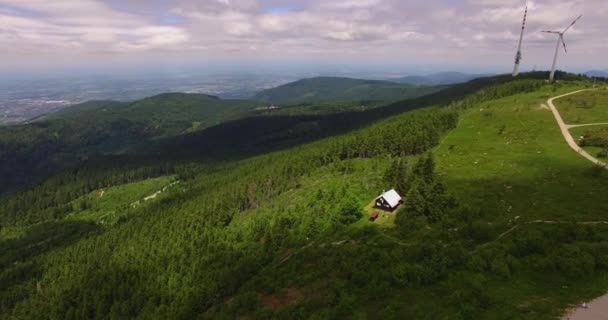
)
(280, 9)
(16, 11)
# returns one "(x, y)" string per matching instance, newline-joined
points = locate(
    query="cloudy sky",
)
(37, 33)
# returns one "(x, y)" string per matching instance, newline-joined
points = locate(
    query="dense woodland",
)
(36, 150)
(243, 227)
(341, 89)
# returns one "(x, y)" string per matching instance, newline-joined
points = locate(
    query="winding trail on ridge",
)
(566, 132)
(598, 308)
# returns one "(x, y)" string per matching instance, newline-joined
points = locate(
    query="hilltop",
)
(597, 73)
(439, 79)
(501, 219)
(341, 89)
(175, 112)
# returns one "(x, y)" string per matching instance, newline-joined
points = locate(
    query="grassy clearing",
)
(9, 233)
(385, 219)
(593, 138)
(585, 107)
(320, 195)
(107, 206)
(508, 158)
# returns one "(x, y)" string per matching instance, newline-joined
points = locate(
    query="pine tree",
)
(350, 211)
(402, 179)
(416, 202)
(425, 168)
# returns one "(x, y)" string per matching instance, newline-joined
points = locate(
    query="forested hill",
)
(341, 89)
(286, 234)
(44, 146)
(440, 79)
(104, 127)
(257, 135)
(171, 113)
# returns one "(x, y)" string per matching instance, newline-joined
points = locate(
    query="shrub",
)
(350, 211)
(573, 261)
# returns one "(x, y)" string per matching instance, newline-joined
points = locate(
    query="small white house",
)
(389, 200)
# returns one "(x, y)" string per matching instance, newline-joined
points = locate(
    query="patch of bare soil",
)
(281, 299)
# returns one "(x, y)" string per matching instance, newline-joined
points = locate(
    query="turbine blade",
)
(555, 32)
(573, 22)
(564, 43)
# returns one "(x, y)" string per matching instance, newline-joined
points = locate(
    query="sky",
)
(459, 33)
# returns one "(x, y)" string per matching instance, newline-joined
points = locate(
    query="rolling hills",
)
(340, 89)
(439, 79)
(169, 114)
(497, 223)
(61, 139)
(597, 73)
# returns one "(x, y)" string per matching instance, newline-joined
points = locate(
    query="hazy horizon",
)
(478, 35)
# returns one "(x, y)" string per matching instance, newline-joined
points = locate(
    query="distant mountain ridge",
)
(170, 112)
(597, 73)
(340, 89)
(439, 79)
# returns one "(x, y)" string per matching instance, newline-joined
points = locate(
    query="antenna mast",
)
(518, 56)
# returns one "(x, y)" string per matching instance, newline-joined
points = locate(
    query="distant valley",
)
(23, 99)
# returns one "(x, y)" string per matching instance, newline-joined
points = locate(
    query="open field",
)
(509, 159)
(591, 137)
(585, 107)
(106, 206)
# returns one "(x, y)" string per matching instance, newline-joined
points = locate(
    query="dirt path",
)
(566, 132)
(595, 310)
(517, 226)
(570, 126)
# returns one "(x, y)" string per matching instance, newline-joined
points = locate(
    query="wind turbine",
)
(518, 56)
(560, 40)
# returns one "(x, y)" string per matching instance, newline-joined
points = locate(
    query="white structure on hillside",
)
(389, 200)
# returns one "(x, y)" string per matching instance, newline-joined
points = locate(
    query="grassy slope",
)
(585, 107)
(526, 171)
(345, 89)
(106, 206)
(579, 132)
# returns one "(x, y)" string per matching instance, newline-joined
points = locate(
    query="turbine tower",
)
(518, 56)
(560, 40)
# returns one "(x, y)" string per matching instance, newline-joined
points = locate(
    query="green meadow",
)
(107, 206)
(584, 107)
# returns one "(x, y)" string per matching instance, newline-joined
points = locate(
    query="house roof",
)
(392, 197)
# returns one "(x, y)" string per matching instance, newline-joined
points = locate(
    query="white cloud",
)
(468, 31)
